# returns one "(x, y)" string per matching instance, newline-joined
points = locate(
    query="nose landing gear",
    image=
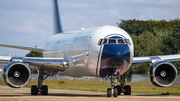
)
(113, 90)
(116, 90)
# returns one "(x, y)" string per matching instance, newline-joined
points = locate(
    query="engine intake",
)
(16, 74)
(162, 74)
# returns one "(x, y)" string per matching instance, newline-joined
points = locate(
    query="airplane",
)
(100, 52)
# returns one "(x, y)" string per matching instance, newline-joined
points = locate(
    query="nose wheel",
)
(112, 91)
(119, 89)
(116, 90)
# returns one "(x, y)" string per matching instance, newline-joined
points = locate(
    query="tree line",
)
(153, 37)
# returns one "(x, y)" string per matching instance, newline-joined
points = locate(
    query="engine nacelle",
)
(16, 74)
(162, 74)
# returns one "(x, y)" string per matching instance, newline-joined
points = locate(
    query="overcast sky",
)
(29, 22)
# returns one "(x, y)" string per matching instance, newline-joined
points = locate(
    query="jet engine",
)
(162, 74)
(16, 74)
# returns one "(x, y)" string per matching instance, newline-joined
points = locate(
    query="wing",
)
(138, 61)
(59, 64)
(23, 47)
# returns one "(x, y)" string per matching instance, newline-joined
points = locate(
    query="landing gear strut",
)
(113, 90)
(42, 89)
(116, 90)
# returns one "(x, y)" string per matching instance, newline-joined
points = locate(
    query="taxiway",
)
(23, 94)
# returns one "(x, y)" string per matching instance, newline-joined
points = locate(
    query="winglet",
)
(57, 26)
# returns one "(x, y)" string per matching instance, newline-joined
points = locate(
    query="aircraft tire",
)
(109, 92)
(34, 90)
(115, 94)
(44, 90)
(119, 89)
(127, 90)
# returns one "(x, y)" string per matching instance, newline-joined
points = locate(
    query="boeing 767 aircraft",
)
(102, 52)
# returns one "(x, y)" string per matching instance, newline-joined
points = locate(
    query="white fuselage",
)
(82, 50)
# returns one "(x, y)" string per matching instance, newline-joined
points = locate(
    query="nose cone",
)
(115, 59)
(115, 62)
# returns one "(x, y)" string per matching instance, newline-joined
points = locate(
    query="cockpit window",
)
(100, 41)
(121, 41)
(112, 41)
(104, 41)
(127, 41)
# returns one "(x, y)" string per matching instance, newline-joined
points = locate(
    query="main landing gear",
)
(116, 90)
(42, 89)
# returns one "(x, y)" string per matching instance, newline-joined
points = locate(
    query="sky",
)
(29, 22)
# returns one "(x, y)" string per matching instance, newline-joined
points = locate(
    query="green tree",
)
(137, 27)
(166, 38)
(34, 54)
(176, 36)
(146, 44)
(177, 64)
(170, 39)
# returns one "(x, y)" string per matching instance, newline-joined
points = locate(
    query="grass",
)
(98, 86)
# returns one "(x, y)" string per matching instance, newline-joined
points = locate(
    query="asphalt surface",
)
(23, 94)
